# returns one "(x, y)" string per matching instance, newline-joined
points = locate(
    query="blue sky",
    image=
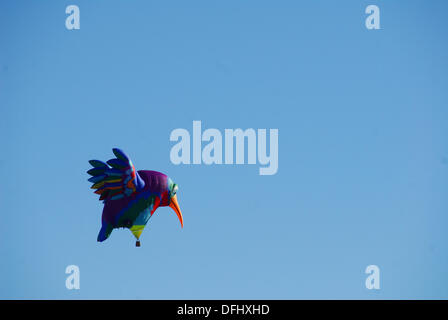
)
(363, 155)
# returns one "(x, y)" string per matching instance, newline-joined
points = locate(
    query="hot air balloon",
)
(130, 197)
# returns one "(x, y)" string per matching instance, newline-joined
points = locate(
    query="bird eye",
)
(175, 189)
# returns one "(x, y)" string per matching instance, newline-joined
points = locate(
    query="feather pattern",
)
(115, 179)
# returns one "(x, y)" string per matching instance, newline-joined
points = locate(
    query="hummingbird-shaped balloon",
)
(130, 197)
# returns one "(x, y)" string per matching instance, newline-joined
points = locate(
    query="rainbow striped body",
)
(130, 197)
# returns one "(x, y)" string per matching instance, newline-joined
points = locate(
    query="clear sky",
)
(363, 154)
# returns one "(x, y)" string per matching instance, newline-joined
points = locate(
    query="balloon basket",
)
(137, 243)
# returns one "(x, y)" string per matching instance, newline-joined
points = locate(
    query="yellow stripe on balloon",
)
(137, 230)
(97, 185)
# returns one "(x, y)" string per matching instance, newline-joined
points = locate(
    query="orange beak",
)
(175, 206)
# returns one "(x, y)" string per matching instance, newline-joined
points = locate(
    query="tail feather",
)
(105, 231)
